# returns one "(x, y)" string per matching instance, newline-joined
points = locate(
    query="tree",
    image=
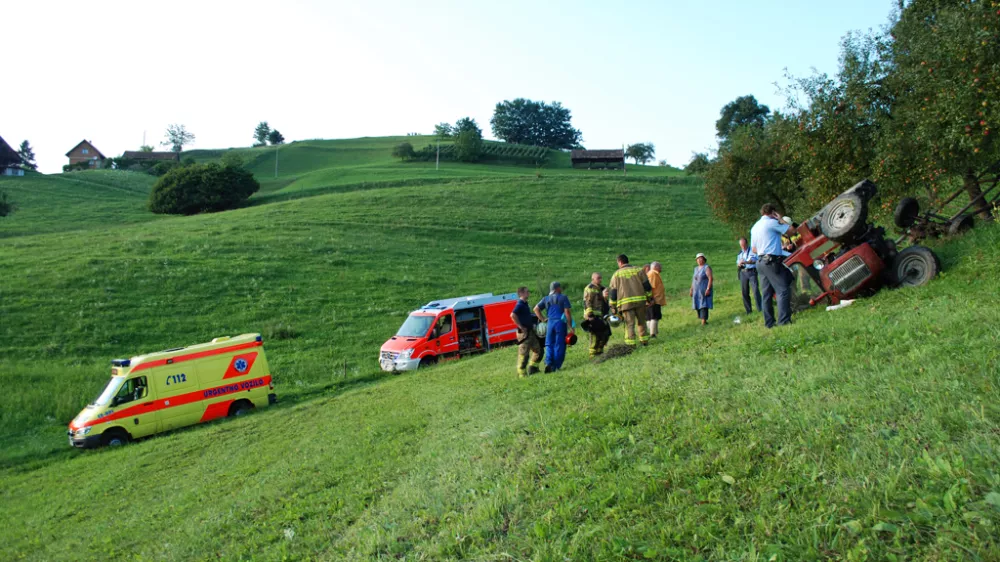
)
(146, 148)
(744, 110)
(27, 156)
(198, 188)
(662, 164)
(443, 131)
(403, 151)
(233, 159)
(176, 137)
(274, 137)
(641, 152)
(698, 164)
(261, 133)
(468, 140)
(943, 57)
(524, 121)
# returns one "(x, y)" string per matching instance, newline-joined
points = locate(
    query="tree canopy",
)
(641, 152)
(27, 155)
(744, 110)
(261, 133)
(524, 121)
(912, 107)
(176, 137)
(275, 137)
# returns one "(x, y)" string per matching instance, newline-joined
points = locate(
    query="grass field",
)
(870, 433)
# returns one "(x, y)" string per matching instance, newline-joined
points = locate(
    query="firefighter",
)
(527, 338)
(630, 291)
(595, 305)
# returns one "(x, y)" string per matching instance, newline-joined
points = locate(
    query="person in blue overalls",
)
(559, 320)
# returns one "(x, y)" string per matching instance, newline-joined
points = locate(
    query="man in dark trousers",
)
(527, 339)
(746, 263)
(765, 242)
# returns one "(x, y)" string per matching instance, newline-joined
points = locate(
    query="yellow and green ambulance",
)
(161, 391)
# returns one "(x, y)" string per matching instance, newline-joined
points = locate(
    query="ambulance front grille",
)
(850, 275)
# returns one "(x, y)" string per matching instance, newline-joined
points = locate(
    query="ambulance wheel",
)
(115, 438)
(239, 408)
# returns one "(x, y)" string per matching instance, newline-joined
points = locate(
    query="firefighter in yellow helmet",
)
(630, 291)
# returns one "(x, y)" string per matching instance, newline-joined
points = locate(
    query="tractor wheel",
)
(115, 438)
(961, 225)
(915, 266)
(240, 408)
(906, 212)
(845, 219)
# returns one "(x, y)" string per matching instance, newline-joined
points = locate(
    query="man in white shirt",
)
(746, 263)
(765, 242)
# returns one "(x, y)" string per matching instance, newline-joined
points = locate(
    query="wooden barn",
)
(10, 160)
(602, 159)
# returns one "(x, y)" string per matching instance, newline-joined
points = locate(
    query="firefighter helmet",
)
(541, 328)
(571, 339)
(614, 321)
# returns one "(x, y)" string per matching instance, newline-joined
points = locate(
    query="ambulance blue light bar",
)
(121, 362)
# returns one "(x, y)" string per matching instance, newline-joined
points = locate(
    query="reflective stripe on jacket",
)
(629, 288)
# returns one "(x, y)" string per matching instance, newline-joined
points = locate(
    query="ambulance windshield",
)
(416, 326)
(109, 391)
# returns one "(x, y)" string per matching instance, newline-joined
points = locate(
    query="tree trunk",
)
(971, 183)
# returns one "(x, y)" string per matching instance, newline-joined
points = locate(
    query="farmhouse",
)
(86, 152)
(140, 156)
(598, 158)
(10, 160)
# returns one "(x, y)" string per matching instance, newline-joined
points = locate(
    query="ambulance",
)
(152, 393)
(450, 329)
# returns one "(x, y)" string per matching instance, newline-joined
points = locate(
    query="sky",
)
(648, 71)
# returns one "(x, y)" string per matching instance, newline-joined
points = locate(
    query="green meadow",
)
(867, 433)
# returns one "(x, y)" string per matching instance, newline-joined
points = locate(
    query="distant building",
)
(139, 156)
(10, 160)
(598, 158)
(86, 152)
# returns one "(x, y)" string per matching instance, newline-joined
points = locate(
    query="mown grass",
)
(869, 433)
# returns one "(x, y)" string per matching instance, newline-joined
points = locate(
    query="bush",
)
(403, 151)
(162, 168)
(468, 146)
(201, 188)
(6, 205)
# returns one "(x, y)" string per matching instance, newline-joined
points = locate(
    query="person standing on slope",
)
(630, 291)
(765, 241)
(595, 306)
(559, 320)
(527, 339)
(746, 266)
(655, 312)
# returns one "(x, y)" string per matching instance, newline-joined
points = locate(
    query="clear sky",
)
(659, 71)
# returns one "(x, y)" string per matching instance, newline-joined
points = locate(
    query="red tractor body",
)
(848, 257)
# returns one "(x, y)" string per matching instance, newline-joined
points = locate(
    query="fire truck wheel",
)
(960, 225)
(115, 438)
(915, 266)
(845, 219)
(426, 362)
(240, 408)
(906, 212)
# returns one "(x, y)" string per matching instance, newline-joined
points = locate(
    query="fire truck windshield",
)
(416, 326)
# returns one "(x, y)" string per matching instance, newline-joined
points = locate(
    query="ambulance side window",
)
(133, 389)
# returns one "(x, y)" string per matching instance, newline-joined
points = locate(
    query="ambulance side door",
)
(176, 388)
(444, 335)
(136, 398)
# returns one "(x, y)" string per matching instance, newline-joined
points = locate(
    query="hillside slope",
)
(866, 433)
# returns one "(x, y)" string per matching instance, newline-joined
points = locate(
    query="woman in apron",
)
(701, 288)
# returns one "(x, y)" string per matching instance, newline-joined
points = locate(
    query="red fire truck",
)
(450, 329)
